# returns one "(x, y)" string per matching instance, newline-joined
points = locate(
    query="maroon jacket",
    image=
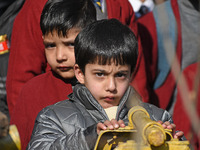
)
(39, 92)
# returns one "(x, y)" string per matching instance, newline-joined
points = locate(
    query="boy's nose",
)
(111, 85)
(60, 55)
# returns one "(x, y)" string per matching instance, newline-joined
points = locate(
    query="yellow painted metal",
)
(141, 134)
(151, 131)
(15, 136)
(12, 141)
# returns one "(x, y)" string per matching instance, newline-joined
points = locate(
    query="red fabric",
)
(123, 11)
(37, 93)
(182, 120)
(27, 58)
(139, 81)
(147, 30)
(148, 35)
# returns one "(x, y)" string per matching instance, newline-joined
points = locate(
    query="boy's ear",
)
(79, 74)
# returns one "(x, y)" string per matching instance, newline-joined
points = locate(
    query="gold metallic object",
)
(141, 134)
(3, 38)
(4, 44)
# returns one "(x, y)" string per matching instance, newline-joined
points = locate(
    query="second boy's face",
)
(60, 52)
(107, 83)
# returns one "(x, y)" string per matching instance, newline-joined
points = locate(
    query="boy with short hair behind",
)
(60, 22)
(106, 53)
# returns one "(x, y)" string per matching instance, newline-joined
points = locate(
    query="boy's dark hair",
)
(63, 15)
(104, 41)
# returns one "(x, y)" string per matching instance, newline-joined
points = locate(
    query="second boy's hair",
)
(63, 15)
(105, 41)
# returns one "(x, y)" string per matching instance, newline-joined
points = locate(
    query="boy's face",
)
(60, 52)
(107, 83)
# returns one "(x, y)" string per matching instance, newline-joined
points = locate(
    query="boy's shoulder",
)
(64, 105)
(39, 79)
(43, 81)
(63, 111)
(43, 90)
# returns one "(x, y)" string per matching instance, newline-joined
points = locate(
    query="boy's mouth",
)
(65, 68)
(109, 98)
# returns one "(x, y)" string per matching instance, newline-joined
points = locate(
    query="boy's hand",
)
(168, 125)
(110, 125)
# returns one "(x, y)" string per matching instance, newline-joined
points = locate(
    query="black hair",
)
(105, 41)
(63, 15)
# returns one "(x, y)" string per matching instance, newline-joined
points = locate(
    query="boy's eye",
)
(121, 75)
(49, 45)
(99, 74)
(70, 44)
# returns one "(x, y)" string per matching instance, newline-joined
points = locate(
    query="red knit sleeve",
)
(27, 58)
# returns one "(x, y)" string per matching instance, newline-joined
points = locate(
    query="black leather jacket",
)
(71, 124)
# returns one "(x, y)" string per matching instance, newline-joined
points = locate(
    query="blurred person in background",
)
(170, 41)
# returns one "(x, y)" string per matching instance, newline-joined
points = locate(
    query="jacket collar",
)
(83, 96)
